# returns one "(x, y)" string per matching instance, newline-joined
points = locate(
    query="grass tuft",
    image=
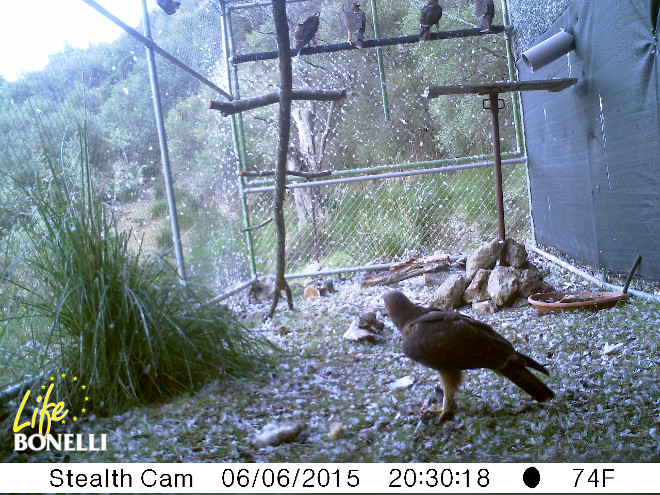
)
(124, 324)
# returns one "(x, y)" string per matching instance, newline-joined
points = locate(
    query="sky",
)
(30, 30)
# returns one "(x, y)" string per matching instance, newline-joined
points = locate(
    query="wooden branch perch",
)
(236, 106)
(296, 173)
(255, 227)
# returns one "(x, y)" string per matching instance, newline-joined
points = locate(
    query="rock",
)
(516, 254)
(336, 430)
(262, 290)
(450, 294)
(435, 278)
(403, 382)
(477, 291)
(531, 282)
(311, 291)
(485, 256)
(357, 334)
(484, 307)
(276, 434)
(503, 285)
(369, 321)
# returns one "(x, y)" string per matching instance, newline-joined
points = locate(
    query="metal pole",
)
(237, 132)
(512, 76)
(162, 140)
(381, 68)
(499, 195)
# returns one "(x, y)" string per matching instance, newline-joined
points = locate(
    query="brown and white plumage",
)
(430, 16)
(355, 21)
(485, 11)
(450, 342)
(306, 32)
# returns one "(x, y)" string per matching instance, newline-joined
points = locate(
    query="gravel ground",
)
(330, 400)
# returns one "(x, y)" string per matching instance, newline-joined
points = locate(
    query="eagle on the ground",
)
(306, 33)
(450, 342)
(430, 16)
(485, 11)
(169, 6)
(355, 21)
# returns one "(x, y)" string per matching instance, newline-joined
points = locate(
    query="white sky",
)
(30, 30)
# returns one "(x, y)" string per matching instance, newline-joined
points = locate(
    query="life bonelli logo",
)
(47, 413)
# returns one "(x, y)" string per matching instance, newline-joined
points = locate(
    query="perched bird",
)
(306, 32)
(485, 11)
(355, 21)
(430, 16)
(450, 342)
(169, 6)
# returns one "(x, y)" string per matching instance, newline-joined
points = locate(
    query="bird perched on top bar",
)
(430, 16)
(169, 6)
(355, 21)
(450, 342)
(306, 33)
(485, 11)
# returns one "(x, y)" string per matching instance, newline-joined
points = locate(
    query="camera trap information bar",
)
(329, 478)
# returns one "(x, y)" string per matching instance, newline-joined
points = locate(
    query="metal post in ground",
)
(162, 141)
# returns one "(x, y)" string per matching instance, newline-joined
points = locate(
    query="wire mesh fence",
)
(381, 219)
(106, 88)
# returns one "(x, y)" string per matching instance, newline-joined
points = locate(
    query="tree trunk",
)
(286, 78)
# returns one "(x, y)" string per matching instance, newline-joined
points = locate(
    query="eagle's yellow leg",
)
(450, 381)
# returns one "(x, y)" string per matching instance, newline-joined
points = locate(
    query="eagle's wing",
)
(446, 340)
(430, 15)
(353, 21)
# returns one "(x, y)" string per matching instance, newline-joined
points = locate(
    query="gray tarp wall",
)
(594, 149)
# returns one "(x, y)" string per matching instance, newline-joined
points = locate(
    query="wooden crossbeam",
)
(398, 40)
(231, 107)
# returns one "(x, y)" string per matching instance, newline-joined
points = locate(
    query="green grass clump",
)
(124, 324)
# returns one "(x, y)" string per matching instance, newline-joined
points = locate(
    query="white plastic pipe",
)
(549, 50)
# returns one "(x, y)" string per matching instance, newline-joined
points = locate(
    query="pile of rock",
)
(487, 284)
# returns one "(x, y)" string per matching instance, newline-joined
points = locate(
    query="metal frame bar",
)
(391, 175)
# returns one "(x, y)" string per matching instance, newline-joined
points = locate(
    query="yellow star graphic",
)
(84, 387)
(43, 387)
(64, 421)
(52, 378)
(75, 418)
(84, 410)
(63, 375)
(86, 399)
(75, 378)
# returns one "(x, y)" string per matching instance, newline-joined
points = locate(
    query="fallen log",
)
(412, 267)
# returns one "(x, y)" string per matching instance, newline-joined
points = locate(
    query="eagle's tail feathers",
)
(526, 380)
(531, 363)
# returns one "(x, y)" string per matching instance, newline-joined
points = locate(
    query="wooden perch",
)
(255, 227)
(231, 107)
(296, 173)
(407, 269)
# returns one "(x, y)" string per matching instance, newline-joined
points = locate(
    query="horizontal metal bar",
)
(398, 40)
(391, 175)
(350, 269)
(591, 278)
(233, 291)
(403, 166)
(151, 44)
